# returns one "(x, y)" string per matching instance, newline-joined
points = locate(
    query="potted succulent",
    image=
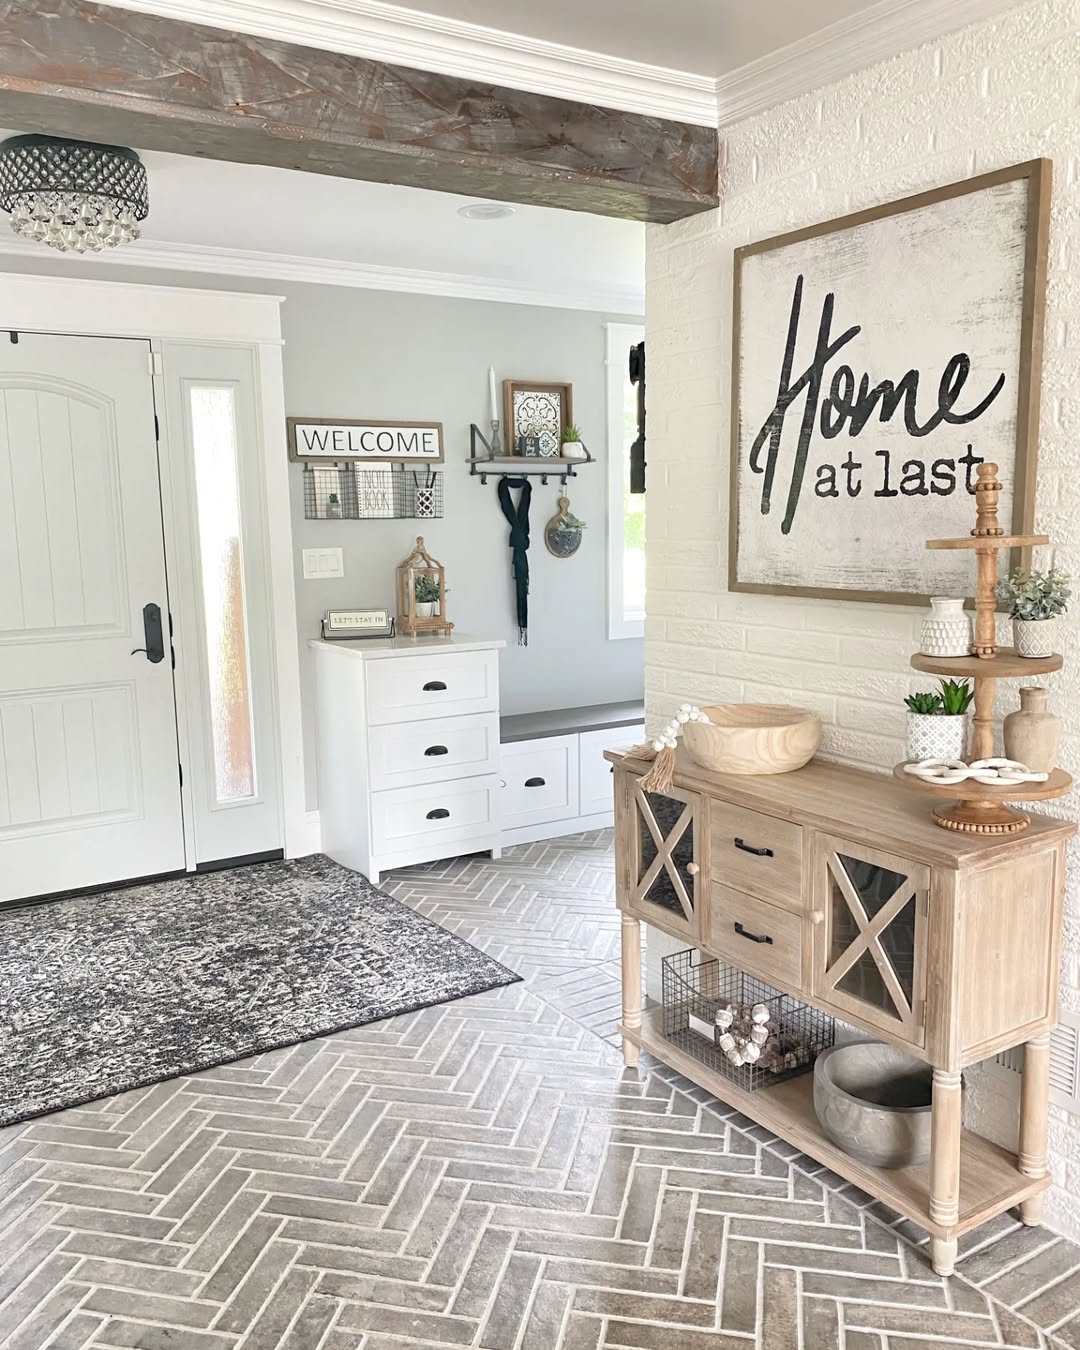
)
(937, 724)
(333, 507)
(573, 447)
(427, 596)
(1036, 600)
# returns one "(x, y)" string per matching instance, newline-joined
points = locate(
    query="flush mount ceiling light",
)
(72, 195)
(485, 211)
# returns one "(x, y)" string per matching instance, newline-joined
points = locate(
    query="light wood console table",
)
(834, 885)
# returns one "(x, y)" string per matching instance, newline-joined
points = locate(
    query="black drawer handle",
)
(757, 852)
(535, 782)
(441, 813)
(753, 937)
(433, 686)
(436, 750)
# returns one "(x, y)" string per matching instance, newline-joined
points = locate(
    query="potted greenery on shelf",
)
(1037, 599)
(427, 596)
(937, 721)
(573, 447)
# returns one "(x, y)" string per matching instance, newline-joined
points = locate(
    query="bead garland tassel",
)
(662, 749)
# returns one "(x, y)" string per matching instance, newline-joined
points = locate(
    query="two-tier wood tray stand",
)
(977, 808)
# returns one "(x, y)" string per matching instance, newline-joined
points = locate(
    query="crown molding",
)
(411, 38)
(331, 272)
(877, 33)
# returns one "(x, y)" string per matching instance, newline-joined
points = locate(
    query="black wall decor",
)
(637, 450)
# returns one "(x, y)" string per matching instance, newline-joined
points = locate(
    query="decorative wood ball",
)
(683, 718)
(685, 707)
(727, 1043)
(759, 1013)
(724, 1018)
(751, 1053)
(759, 1035)
(658, 746)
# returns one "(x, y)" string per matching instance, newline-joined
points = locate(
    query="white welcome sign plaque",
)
(878, 360)
(326, 440)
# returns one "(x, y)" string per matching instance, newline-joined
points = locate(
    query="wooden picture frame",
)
(352, 445)
(765, 558)
(512, 388)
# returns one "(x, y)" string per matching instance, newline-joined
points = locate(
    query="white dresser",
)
(408, 750)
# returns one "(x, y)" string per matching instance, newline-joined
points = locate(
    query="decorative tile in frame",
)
(878, 360)
(374, 491)
(536, 415)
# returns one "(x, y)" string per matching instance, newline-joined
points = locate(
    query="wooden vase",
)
(1033, 734)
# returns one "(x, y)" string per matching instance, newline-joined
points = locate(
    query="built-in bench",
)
(557, 780)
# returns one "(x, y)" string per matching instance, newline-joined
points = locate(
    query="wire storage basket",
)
(739, 1025)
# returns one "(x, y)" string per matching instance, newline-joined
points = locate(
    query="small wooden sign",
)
(329, 440)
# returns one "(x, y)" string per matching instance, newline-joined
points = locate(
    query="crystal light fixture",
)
(72, 195)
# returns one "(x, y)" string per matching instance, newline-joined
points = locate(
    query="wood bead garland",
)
(662, 749)
(746, 1031)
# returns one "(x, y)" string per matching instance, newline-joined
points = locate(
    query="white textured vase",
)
(936, 735)
(1034, 637)
(946, 630)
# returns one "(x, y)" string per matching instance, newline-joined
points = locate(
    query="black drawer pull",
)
(436, 750)
(433, 686)
(757, 852)
(753, 937)
(441, 813)
(535, 782)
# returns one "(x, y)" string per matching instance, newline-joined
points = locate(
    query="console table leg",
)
(945, 1165)
(1034, 1106)
(631, 985)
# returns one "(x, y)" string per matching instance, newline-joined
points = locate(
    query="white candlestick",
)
(492, 394)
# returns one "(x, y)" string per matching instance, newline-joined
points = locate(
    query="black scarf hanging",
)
(519, 543)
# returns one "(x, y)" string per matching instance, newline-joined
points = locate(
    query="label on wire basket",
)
(703, 1028)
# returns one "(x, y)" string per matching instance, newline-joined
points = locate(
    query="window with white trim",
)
(626, 511)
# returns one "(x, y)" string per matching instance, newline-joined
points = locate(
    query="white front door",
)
(89, 777)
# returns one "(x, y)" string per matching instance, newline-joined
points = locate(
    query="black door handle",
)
(535, 782)
(757, 852)
(440, 813)
(436, 750)
(152, 635)
(753, 937)
(433, 686)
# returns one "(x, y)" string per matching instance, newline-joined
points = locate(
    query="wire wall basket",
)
(739, 1025)
(372, 492)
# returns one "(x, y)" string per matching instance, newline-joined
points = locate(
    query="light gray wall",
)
(358, 353)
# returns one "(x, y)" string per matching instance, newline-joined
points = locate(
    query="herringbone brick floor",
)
(484, 1174)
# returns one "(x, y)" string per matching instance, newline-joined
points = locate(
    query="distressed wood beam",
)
(86, 70)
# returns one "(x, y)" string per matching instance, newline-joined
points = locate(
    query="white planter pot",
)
(946, 630)
(936, 736)
(425, 609)
(573, 450)
(1034, 637)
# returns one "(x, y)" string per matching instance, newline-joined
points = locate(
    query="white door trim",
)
(122, 309)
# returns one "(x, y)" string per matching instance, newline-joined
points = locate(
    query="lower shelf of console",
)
(990, 1181)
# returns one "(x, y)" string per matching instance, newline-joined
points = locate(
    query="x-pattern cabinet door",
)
(870, 946)
(664, 837)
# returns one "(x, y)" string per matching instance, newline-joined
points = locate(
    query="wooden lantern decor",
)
(422, 594)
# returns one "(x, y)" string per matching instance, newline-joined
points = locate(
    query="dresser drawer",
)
(437, 813)
(541, 779)
(595, 773)
(432, 686)
(758, 854)
(433, 750)
(759, 938)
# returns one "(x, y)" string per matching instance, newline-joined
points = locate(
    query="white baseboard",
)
(307, 840)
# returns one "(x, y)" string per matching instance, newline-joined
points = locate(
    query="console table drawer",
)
(755, 936)
(758, 854)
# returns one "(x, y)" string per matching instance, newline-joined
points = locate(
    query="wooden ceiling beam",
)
(89, 71)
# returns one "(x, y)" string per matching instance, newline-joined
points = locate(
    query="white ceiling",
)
(276, 222)
(705, 37)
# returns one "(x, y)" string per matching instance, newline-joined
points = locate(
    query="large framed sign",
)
(878, 360)
(330, 440)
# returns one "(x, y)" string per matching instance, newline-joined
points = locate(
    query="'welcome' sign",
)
(878, 360)
(321, 440)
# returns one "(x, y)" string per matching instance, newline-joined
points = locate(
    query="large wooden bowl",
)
(753, 738)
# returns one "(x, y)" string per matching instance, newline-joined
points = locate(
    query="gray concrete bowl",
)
(873, 1101)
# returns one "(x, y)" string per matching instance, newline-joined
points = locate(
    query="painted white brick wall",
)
(995, 94)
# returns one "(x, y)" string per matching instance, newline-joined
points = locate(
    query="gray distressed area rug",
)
(103, 993)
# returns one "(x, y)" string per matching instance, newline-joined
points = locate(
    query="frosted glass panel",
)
(213, 437)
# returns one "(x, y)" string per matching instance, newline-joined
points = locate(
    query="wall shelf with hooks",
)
(520, 466)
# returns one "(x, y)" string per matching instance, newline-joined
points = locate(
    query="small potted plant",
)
(1036, 600)
(427, 596)
(937, 722)
(573, 447)
(333, 507)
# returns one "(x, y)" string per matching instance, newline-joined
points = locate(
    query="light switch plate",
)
(323, 563)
